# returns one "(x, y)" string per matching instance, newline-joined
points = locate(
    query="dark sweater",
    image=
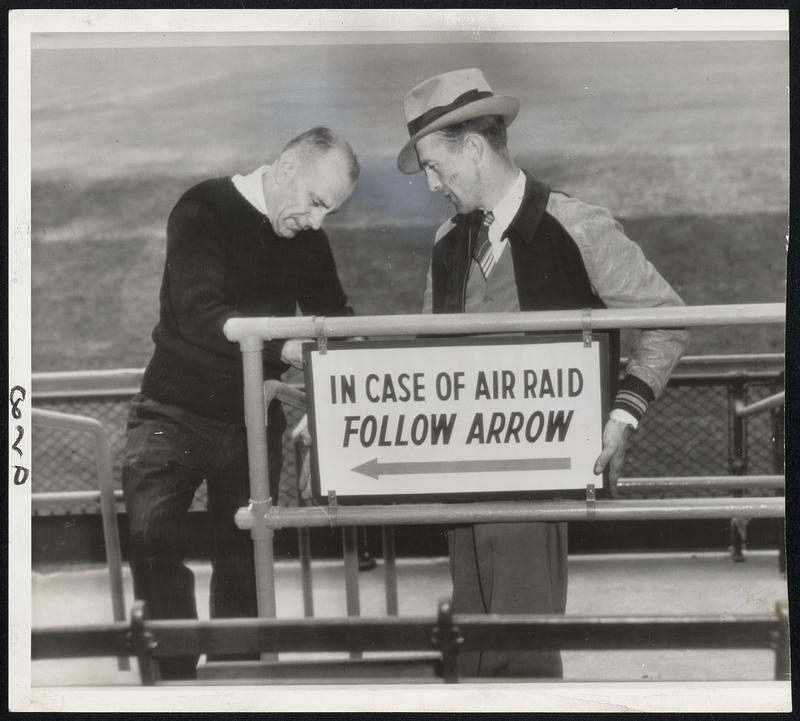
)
(224, 260)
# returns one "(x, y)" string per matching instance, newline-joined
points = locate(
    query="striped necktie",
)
(483, 253)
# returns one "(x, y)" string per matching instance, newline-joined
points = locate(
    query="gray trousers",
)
(509, 568)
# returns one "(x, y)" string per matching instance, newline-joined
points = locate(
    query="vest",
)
(548, 269)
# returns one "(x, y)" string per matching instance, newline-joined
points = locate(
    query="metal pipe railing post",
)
(258, 460)
(782, 644)
(108, 514)
(303, 538)
(304, 551)
(447, 638)
(389, 569)
(142, 643)
(350, 555)
(108, 505)
(365, 560)
(737, 463)
(777, 421)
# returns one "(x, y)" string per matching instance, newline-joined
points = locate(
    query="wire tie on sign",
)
(324, 511)
(332, 508)
(586, 325)
(319, 334)
(591, 505)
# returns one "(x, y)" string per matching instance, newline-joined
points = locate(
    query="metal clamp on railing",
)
(586, 316)
(319, 334)
(142, 643)
(253, 518)
(591, 501)
(447, 638)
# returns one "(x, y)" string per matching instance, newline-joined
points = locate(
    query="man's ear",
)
(284, 166)
(475, 146)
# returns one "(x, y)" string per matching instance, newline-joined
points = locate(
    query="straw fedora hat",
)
(445, 100)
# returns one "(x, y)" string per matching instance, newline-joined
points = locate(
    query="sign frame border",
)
(602, 486)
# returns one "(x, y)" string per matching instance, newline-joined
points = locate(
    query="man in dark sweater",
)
(249, 245)
(514, 245)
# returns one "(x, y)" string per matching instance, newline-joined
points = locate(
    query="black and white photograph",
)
(382, 360)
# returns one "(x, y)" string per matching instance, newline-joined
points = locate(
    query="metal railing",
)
(741, 411)
(105, 495)
(269, 517)
(87, 384)
(665, 446)
(261, 517)
(766, 404)
(251, 332)
(437, 641)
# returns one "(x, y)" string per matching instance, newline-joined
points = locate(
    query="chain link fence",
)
(64, 460)
(687, 432)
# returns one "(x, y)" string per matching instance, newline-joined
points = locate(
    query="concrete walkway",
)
(625, 584)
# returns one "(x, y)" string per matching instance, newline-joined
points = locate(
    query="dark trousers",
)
(169, 452)
(509, 568)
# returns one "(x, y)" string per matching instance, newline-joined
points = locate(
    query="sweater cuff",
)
(624, 417)
(633, 397)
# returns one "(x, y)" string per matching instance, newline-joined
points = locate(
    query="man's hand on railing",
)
(292, 351)
(615, 443)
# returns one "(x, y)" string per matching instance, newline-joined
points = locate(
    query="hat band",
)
(435, 113)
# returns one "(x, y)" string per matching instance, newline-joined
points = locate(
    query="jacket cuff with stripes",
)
(633, 397)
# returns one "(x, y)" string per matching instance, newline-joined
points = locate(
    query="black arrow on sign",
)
(374, 468)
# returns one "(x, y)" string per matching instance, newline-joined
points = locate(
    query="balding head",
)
(320, 141)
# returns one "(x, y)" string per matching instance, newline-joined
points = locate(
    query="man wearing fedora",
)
(515, 245)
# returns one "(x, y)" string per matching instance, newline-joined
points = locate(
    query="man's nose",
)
(315, 218)
(433, 180)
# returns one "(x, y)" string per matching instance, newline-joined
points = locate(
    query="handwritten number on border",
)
(16, 397)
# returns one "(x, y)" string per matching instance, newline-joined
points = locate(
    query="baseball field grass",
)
(685, 143)
(95, 303)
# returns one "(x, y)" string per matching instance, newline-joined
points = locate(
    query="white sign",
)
(425, 418)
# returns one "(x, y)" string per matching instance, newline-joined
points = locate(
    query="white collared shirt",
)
(251, 186)
(504, 212)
